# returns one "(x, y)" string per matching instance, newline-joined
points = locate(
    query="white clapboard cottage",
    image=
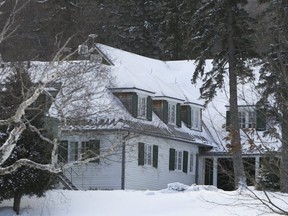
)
(153, 133)
(153, 129)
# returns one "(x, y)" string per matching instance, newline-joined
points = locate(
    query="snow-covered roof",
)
(169, 80)
(173, 79)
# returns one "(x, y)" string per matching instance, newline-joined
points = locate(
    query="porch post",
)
(215, 170)
(257, 167)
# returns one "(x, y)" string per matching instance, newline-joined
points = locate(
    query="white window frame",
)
(172, 113)
(148, 154)
(178, 160)
(196, 118)
(142, 106)
(247, 118)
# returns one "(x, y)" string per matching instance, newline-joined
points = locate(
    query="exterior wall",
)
(148, 177)
(106, 174)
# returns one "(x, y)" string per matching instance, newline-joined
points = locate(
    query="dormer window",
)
(171, 113)
(247, 119)
(138, 104)
(195, 118)
(142, 107)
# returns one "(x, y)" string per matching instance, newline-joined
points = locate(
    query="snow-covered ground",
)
(193, 200)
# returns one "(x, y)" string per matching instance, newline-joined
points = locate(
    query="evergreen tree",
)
(219, 30)
(24, 181)
(274, 75)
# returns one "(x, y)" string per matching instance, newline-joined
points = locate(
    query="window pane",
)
(191, 163)
(73, 153)
(171, 113)
(179, 160)
(142, 107)
(148, 154)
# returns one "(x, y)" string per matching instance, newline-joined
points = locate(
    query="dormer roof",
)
(168, 80)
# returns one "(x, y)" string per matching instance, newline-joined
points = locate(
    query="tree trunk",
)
(16, 203)
(284, 151)
(239, 174)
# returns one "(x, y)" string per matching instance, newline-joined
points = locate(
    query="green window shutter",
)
(171, 159)
(63, 151)
(261, 120)
(140, 154)
(228, 120)
(189, 125)
(155, 156)
(185, 161)
(165, 111)
(149, 108)
(134, 110)
(94, 145)
(178, 115)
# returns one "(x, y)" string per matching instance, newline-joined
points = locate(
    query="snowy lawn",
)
(194, 200)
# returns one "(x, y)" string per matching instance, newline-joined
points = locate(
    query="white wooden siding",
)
(107, 174)
(93, 176)
(148, 177)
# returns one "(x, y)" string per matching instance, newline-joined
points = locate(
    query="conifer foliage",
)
(274, 75)
(220, 31)
(24, 181)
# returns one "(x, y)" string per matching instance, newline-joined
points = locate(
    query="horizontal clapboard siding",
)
(93, 176)
(148, 177)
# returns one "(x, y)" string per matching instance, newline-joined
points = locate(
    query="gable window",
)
(196, 118)
(142, 107)
(171, 113)
(147, 154)
(247, 119)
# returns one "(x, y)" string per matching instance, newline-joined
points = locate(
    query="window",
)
(90, 149)
(147, 154)
(247, 119)
(171, 113)
(63, 151)
(142, 107)
(178, 160)
(195, 118)
(191, 162)
(73, 151)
